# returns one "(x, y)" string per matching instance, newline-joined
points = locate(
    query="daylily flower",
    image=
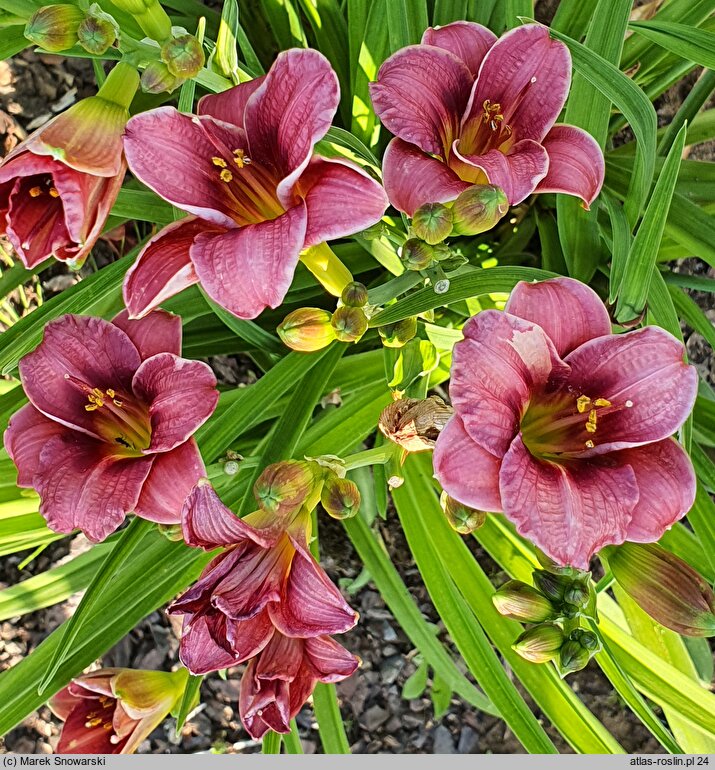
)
(109, 424)
(469, 108)
(266, 579)
(281, 678)
(244, 169)
(58, 186)
(111, 711)
(565, 427)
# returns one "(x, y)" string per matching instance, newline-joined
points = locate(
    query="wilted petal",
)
(280, 659)
(158, 333)
(576, 164)
(412, 178)
(570, 312)
(181, 395)
(666, 482)
(330, 660)
(199, 652)
(230, 105)
(250, 268)
(263, 704)
(27, 433)
(466, 471)
(420, 94)
(249, 637)
(467, 40)
(569, 510)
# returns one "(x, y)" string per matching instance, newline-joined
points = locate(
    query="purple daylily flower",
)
(244, 169)
(565, 427)
(109, 426)
(468, 108)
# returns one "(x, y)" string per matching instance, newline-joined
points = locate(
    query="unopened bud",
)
(398, 334)
(540, 644)
(54, 27)
(307, 329)
(184, 56)
(577, 595)
(461, 518)
(156, 79)
(98, 31)
(552, 586)
(519, 601)
(432, 222)
(416, 254)
(666, 587)
(478, 209)
(284, 487)
(577, 650)
(349, 323)
(354, 294)
(413, 423)
(340, 497)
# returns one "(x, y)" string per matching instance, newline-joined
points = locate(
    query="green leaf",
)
(687, 111)
(416, 683)
(683, 40)
(406, 21)
(572, 17)
(330, 723)
(291, 741)
(621, 241)
(447, 11)
(12, 40)
(285, 23)
(225, 55)
(143, 205)
(272, 743)
(441, 696)
(514, 9)
(189, 700)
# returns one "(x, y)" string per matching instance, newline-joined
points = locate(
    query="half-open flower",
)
(565, 427)
(58, 186)
(468, 108)
(245, 171)
(109, 426)
(281, 678)
(266, 579)
(111, 711)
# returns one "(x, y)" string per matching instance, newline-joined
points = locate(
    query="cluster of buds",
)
(59, 27)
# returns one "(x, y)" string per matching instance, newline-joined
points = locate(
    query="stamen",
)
(582, 404)
(591, 424)
(54, 193)
(590, 444)
(111, 393)
(241, 158)
(602, 402)
(35, 192)
(91, 407)
(220, 162)
(94, 722)
(226, 176)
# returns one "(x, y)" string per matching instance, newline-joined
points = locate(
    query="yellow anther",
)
(241, 159)
(35, 192)
(590, 444)
(93, 722)
(602, 402)
(591, 423)
(54, 193)
(111, 393)
(117, 402)
(582, 404)
(97, 392)
(91, 407)
(226, 175)
(220, 162)
(107, 726)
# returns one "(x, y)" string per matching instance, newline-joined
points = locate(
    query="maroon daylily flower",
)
(565, 427)
(245, 170)
(112, 710)
(281, 678)
(266, 579)
(109, 424)
(469, 108)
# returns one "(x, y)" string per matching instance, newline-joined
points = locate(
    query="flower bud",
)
(183, 55)
(414, 423)
(519, 601)
(284, 487)
(577, 595)
(575, 653)
(587, 639)
(432, 222)
(354, 294)
(54, 27)
(416, 254)
(156, 79)
(665, 587)
(540, 644)
(307, 329)
(398, 334)
(97, 31)
(552, 586)
(340, 497)
(349, 323)
(461, 518)
(478, 209)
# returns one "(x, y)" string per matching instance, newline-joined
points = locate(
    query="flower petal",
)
(495, 369)
(229, 106)
(467, 40)
(330, 660)
(569, 511)
(570, 312)
(412, 178)
(250, 268)
(420, 94)
(645, 369)
(77, 738)
(163, 267)
(172, 477)
(181, 395)
(576, 164)
(26, 435)
(91, 350)
(666, 482)
(249, 637)
(198, 650)
(466, 471)
(340, 198)
(158, 333)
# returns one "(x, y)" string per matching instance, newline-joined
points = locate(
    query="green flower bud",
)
(587, 639)
(98, 31)
(354, 294)
(416, 254)
(156, 79)
(519, 601)
(461, 518)
(398, 334)
(284, 487)
(349, 323)
(307, 329)
(340, 497)
(540, 644)
(432, 222)
(665, 587)
(183, 55)
(577, 595)
(573, 657)
(552, 586)
(54, 27)
(478, 209)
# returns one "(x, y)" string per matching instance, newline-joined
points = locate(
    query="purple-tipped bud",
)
(432, 222)
(98, 31)
(349, 323)
(551, 585)
(416, 254)
(284, 487)
(340, 497)
(307, 329)
(478, 209)
(398, 334)
(156, 79)
(667, 588)
(184, 56)
(54, 27)
(354, 294)
(461, 518)
(540, 644)
(519, 601)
